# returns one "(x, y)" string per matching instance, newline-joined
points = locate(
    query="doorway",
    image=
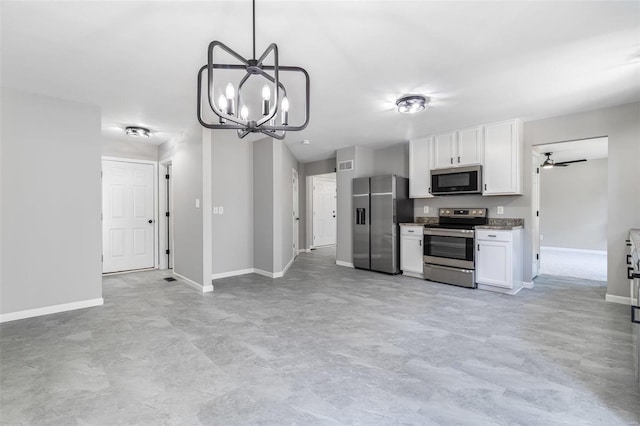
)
(569, 198)
(129, 224)
(323, 207)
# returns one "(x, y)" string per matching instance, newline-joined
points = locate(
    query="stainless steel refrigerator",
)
(380, 203)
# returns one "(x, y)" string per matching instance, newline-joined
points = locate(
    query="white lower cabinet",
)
(411, 250)
(499, 260)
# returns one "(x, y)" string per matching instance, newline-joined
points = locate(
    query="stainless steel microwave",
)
(457, 180)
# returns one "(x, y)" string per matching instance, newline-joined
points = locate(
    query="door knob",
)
(150, 220)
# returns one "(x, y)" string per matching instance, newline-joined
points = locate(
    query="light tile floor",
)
(323, 345)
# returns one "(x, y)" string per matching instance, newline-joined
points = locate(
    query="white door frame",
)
(535, 209)
(162, 230)
(155, 199)
(296, 211)
(314, 180)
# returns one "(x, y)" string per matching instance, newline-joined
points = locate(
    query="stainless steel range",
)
(449, 253)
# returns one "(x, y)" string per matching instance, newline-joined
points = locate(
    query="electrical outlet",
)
(500, 210)
(541, 237)
(215, 210)
(221, 210)
(197, 203)
(425, 209)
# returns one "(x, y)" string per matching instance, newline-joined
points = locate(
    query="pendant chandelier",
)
(271, 117)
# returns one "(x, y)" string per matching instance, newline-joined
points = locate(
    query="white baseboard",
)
(267, 273)
(413, 274)
(29, 313)
(304, 251)
(573, 250)
(509, 291)
(528, 284)
(286, 268)
(191, 283)
(617, 299)
(347, 264)
(232, 273)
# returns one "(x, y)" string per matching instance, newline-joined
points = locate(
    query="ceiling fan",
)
(549, 163)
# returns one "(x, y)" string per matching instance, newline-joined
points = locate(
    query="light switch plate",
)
(215, 210)
(500, 210)
(221, 210)
(425, 209)
(197, 203)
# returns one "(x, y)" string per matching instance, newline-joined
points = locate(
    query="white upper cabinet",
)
(470, 146)
(444, 147)
(420, 165)
(460, 148)
(502, 165)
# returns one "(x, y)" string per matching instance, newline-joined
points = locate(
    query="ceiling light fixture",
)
(410, 104)
(137, 132)
(274, 108)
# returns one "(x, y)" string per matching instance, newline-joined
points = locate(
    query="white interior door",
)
(324, 211)
(296, 215)
(127, 216)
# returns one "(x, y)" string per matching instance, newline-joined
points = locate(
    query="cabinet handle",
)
(429, 190)
(485, 186)
(478, 247)
(410, 230)
(451, 160)
(494, 236)
(420, 243)
(458, 159)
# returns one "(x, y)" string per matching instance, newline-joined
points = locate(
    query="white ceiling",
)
(479, 61)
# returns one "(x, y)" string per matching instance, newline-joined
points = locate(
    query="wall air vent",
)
(345, 166)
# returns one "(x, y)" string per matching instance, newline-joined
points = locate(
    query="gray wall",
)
(134, 149)
(187, 187)
(263, 200)
(621, 125)
(393, 160)
(232, 188)
(573, 206)
(51, 202)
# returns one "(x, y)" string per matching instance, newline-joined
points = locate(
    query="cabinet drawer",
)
(494, 235)
(412, 230)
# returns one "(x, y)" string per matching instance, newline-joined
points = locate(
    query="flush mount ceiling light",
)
(270, 115)
(137, 132)
(410, 104)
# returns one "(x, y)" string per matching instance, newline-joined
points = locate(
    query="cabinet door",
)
(469, 147)
(411, 254)
(420, 158)
(443, 150)
(493, 263)
(502, 157)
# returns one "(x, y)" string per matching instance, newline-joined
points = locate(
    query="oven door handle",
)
(461, 233)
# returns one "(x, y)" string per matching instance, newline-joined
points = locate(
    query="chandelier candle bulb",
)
(285, 111)
(244, 112)
(222, 104)
(230, 94)
(266, 96)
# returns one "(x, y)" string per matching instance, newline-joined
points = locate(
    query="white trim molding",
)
(347, 264)
(528, 284)
(47, 310)
(286, 268)
(573, 250)
(267, 273)
(304, 251)
(622, 300)
(191, 283)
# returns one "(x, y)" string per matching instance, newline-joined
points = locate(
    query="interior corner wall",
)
(187, 218)
(573, 206)
(232, 189)
(263, 201)
(51, 234)
(133, 149)
(622, 127)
